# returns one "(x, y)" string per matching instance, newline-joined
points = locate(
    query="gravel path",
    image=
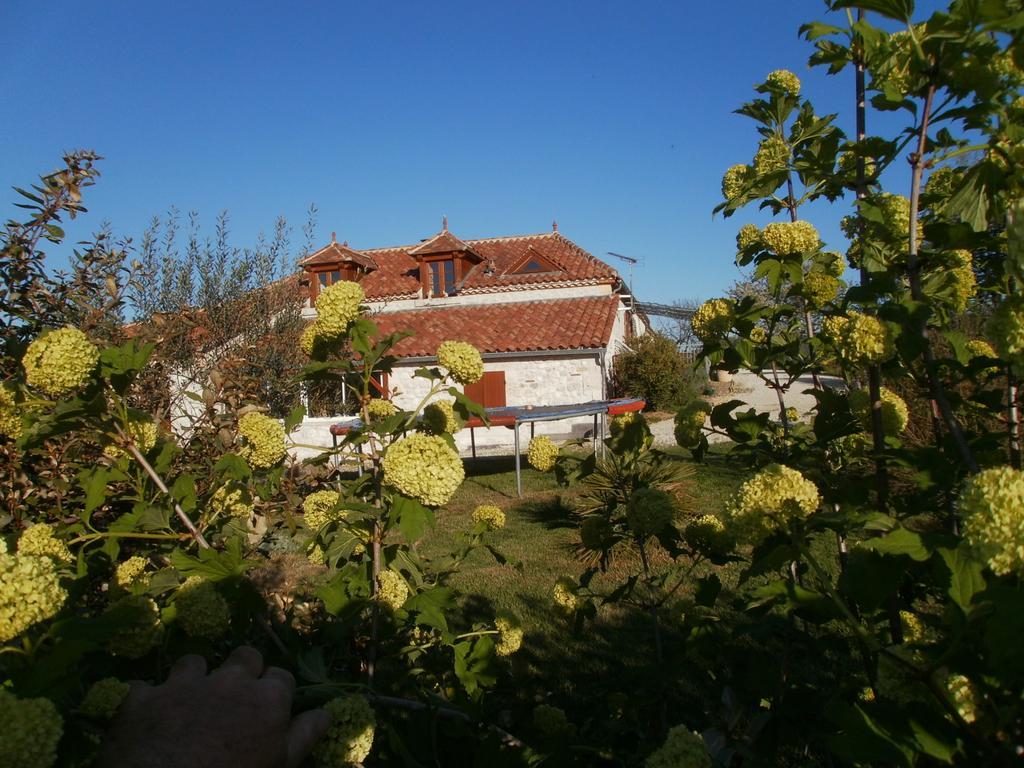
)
(758, 396)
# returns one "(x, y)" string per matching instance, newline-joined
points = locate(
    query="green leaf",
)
(94, 483)
(430, 606)
(294, 418)
(233, 467)
(965, 576)
(213, 564)
(475, 664)
(184, 492)
(412, 517)
(708, 590)
(900, 541)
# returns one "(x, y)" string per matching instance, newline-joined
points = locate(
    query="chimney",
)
(444, 223)
(334, 237)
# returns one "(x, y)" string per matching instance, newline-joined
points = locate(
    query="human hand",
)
(239, 715)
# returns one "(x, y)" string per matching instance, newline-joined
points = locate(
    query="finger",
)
(245, 659)
(275, 690)
(282, 676)
(187, 667)
(304, 733)
(138, 690)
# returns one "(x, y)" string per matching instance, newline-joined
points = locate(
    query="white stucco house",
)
(546, 315)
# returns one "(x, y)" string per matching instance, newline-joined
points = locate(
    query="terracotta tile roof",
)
(442, 242)
(333, 253)
(397, 273)
(558, 324)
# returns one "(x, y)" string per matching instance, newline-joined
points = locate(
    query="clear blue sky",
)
(613, 118)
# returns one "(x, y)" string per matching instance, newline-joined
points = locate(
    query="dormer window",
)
(442, 277)
(444, 262)
(334, 263)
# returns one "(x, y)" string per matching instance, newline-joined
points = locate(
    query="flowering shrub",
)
(682, 749)
(895, 415)
(786, 237)
(32, 729)
(992, 504)
(713, 319)
(263, 445)
(770, 500)
(350, 737)
(489, 516)
(783, 80)
(337, 306)
(462, 360)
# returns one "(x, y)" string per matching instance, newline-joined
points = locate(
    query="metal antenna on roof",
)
(554, 225)
(444, 223)
(334, 237)
(632, 262)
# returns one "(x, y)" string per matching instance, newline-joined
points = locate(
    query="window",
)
(489, 391)
(442, 278)
(332, 276)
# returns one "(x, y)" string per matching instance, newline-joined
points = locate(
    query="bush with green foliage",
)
(653, 368)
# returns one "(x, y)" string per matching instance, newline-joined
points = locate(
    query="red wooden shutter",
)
(489, 391)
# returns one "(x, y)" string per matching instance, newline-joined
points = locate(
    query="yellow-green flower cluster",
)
(423, 467)
(792, 415)
(748, 236)
(913, 628)
(510, 633)
(735, 181)
(689, 423)
(336, 307)
(941, 182)
(10, 419)
(549, 720)
(713, 319)
(1006, 329)
(318, 509)
(770, 500)
(706, 534)
(964, 697)
(39, 540)
(965, 284)
(379, 409)
(392, 590)
(772, 155)
(542, 453)
(820, 288)
(202, 610)
(895, 416)
(30, 592)
(141, 629)
(758, 334)
(649, 511)
(620, 423)
(564, 595)
(141, 431)
(131, 572)
(981, 348)
(439, 417)
(992, 505)
(896, 215)
(783, 80)
(103, 698)
(683, 748)
(860, 339)
(490, 516)
(60, 362)
(32, 730)
(264, 440)
(231, 499)
(848, 164)
(308, 339)
(462, 360)
(316, 555)
(350, 736)
(786, 237)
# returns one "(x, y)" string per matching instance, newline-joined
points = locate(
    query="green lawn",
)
(541, 534)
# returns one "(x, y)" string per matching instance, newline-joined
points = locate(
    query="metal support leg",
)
(519, 478)
(532, 424)
(359, 450)
(593, 435)
(336, 458)
(472, 440)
